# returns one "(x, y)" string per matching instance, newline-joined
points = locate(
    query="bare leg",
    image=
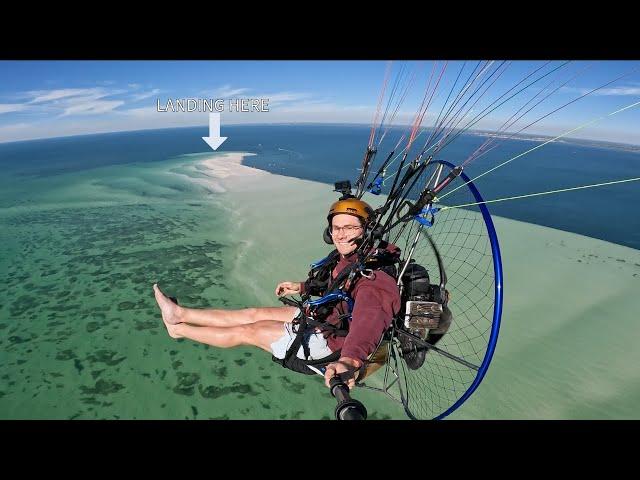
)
(174, 314)
(260, 334)
(230, 318)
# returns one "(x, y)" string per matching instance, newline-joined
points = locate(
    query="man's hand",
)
(287, 288)
(345, 366)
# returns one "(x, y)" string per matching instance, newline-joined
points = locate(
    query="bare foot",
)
(171, 313)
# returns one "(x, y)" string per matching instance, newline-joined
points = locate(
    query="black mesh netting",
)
(462, 239)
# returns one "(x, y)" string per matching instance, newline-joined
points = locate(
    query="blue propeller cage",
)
(498, 291)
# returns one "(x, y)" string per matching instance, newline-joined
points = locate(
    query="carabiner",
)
(370, 275)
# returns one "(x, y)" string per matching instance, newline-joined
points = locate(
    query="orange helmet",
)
(351, 206)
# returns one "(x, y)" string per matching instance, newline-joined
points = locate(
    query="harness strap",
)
(302, 366)
(305, 344)
(342, 276)
(295, 346)
(338, 331)
(345, 280)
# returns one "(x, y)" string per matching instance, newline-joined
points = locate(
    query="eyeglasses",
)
(348, 229)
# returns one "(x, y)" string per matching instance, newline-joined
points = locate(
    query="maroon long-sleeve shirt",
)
(376, 302)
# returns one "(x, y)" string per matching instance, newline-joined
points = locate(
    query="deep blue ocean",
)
(327, 153)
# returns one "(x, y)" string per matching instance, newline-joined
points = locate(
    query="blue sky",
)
(40, 99)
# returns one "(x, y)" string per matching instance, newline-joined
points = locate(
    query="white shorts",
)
(317, 343)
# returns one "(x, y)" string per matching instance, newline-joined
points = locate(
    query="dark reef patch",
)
(92, 327)
(220, 372)
(186, 383)
(102, 387)
(292, 386)
(105, 356)
(146, 325)
(65, 355)
(14, 340)
(77, 365)
(216, 392)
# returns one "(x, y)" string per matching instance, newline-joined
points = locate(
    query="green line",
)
(542, 193)
(542, 145)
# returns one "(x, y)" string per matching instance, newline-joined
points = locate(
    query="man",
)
(376, 301)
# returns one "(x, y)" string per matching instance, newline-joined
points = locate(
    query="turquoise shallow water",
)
(78, 316)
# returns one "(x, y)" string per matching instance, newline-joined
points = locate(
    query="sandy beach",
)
(222, 171)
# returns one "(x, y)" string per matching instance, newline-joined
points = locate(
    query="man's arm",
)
(376, 303)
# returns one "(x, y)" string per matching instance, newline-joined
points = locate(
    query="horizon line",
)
(515, 136)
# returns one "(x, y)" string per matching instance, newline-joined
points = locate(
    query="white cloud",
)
(284, 97)
(140, 112)
(11, 107)
(275, 98)
(134, 85)
(141, 96)
(619, 91)
(316, 106)
(92, 107)
(226, 91)
(76, 101)
(40, 96)
(15, 126)
(613, 91)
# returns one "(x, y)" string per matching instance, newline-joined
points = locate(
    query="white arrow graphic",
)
(214, 140)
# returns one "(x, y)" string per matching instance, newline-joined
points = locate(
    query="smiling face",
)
(344, 229)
